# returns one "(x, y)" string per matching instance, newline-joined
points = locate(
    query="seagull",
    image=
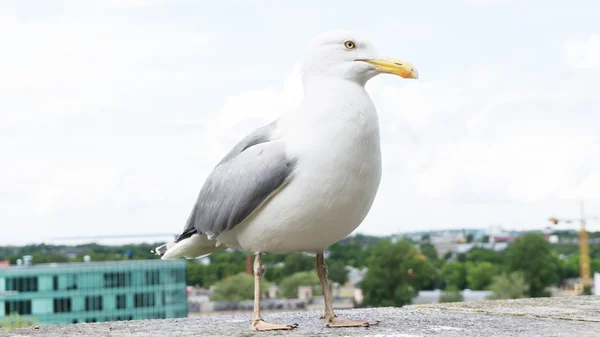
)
(305, 180)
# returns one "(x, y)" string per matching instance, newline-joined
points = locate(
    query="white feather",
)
(334, 135)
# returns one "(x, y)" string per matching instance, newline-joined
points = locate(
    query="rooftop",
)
(77, 265)
(556, 316)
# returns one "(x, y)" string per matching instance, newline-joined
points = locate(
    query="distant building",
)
(433, 296)
(65, 293)
(355, 275)
(71, 252)
(571, 286)
(446, 242)
(466, 247)
(553, 239)
(502, 238)
(575, 240)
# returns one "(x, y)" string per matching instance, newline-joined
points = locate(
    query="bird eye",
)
(349, 45)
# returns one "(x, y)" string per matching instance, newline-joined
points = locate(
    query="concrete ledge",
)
(557, 316)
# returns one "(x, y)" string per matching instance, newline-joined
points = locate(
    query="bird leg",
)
(258, 324)
(331, 319)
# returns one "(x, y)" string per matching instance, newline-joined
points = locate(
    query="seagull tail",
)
(193, 247)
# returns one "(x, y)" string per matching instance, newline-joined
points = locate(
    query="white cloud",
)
(56, 67)
(110, 122)
(480, 138)
(118, 4)
(81, 118)
(122, 168)
(484, 140)
(583, 54)
(251, 109)
(488, 2)
(502, 140)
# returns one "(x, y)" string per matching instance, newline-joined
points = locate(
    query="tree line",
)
(395, 270)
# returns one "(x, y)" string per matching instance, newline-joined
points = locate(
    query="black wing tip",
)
(186, 234)
(157, 251)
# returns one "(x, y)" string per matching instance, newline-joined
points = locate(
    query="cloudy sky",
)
(112, 113)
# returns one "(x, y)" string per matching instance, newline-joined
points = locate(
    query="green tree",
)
(447, 256)
(229, 257)
(273, 259)
(431, 253)
(570, 267)
(194, 273)
(39, 257)
(351, 254)
(289, 286)
(566, 249)
(274, 270)
(337, 272)
(469, 238)
(509, 286)
(480, 254)
(451, 294)
(395, 273)
(297, 262)
(479, 275)
(238, 287)
(533, 256)
(14, 320)
(595, 251)
(274, 274)
(454, 274)
(207, 275)
(220, 268)
(365, 240)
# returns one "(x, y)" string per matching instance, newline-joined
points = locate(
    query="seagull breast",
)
(336, 140)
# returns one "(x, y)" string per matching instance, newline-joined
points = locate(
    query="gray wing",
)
(240, 183)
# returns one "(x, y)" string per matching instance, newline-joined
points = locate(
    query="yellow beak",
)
(391, 66)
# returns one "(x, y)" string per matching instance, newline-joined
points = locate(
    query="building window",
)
(64, 282)
(21, 284)
(121, 301)
(93, 303)
(143, 300)
(116, 280)
(22, 307)
(152, 277)
(174, 296)
(178, 275)
(62, 305)
(71, 282)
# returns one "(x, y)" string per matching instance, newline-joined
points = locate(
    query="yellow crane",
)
(584, 248)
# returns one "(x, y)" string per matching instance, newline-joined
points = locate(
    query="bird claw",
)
(349, 323)
(260, 325)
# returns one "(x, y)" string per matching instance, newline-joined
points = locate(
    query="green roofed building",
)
(65, 293)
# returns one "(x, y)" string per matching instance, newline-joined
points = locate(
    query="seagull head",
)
(346, 55)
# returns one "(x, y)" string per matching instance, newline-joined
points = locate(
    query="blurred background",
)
(112, 114)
